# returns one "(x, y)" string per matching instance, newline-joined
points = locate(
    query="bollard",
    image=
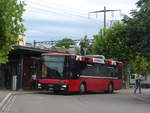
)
(14, 83)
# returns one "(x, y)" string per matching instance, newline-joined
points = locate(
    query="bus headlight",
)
(39, 84)
(64, 86)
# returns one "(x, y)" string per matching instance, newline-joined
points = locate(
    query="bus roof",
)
(96, 56)
(91, 58)
(63, 54)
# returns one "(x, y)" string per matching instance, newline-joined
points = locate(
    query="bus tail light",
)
(90, 60)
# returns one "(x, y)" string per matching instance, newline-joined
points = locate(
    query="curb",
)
(4, 101)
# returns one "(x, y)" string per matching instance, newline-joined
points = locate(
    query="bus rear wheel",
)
(110, 88)
(82, 88)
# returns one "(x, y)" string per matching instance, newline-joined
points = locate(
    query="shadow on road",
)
(72, 93)
(60, 93)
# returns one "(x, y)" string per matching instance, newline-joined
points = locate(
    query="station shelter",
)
(23, 62)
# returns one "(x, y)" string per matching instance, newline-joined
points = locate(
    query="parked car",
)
(145, 84)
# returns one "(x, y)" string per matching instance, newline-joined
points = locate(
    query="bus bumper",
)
(53, 87)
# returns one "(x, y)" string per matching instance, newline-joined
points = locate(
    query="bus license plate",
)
(50, 85)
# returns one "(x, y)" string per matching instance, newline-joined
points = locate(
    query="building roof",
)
(58, 49)
(28, 50)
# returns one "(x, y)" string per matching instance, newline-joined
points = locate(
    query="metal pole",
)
(104, 17)
(104, 20)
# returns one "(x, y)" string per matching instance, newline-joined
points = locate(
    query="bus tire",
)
(82, 88)
(110, 88)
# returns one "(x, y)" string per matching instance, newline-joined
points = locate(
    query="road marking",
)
(5, 100)
(9, 103)
(34, 96)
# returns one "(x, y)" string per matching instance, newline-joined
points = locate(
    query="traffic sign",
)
(129, 68)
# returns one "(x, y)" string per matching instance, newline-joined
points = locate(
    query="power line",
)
(51, 9)
(55, 12)
(48, 10)
(62, 6)
(47, 13)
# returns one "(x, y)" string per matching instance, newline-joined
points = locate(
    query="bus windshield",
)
(53, 67)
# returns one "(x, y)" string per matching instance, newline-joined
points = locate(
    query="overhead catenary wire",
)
(60, 6)
(75, 10)
(42, 8)
(56, 10)
(51, 33)
(48, 11)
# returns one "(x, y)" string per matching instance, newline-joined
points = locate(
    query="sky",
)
(47, 20)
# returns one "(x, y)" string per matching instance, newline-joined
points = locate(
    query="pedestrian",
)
(138, 79)
(33, 81)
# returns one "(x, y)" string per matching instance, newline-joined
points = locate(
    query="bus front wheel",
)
(82, 88)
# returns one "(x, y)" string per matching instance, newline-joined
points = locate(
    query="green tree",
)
(137, 30)
(65, 42)
(112, 45)
(128, 41)
(11, 26)
(139, 65)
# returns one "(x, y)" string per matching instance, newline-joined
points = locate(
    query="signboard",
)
(129, 68)
(99, 60)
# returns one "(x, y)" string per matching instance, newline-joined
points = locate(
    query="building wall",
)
(22, 41)
(28, 70)
(21, 63)
(13, 67)
(2, 74)
(31, 66)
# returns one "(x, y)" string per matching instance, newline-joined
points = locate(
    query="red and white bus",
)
(72, 73)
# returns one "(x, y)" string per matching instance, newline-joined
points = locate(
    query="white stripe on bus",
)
(98, 77)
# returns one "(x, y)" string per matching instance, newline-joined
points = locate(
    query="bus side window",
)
(119, 74)
(76, 68)
(111, 72)
(102, 70)
(73, 69)
(90, 70)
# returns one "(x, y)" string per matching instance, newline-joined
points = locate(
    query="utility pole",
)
(104, 11)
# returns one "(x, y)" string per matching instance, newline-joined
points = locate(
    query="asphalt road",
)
(119, 102)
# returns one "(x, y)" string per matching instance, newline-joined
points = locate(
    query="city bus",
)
(73, 73)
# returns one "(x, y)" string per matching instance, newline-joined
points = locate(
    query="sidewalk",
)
(131, 90)
(145, 96)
